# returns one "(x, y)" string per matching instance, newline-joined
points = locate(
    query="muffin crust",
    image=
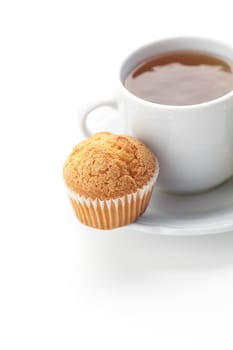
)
(109, 166)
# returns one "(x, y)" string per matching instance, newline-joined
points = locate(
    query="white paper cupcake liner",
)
(112, 213)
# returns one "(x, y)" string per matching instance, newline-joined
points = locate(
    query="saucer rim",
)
(172, 230)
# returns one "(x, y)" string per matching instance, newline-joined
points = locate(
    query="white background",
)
(63, 286)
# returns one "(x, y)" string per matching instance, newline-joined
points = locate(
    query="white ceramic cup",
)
(194, 144)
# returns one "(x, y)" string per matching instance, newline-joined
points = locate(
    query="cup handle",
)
(83, 116)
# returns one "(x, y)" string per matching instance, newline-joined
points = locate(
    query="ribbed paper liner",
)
(112, 213)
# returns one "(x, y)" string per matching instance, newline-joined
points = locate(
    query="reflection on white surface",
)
(124, 258)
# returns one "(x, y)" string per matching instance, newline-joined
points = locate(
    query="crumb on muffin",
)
(107, 166)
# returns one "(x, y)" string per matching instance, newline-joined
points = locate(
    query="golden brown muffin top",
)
(108, 166)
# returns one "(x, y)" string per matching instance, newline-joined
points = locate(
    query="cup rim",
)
(206, 104)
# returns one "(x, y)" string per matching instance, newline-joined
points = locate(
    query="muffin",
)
(110, 179)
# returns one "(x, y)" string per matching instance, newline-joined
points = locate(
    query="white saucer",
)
(207, 213)
(168, 214)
